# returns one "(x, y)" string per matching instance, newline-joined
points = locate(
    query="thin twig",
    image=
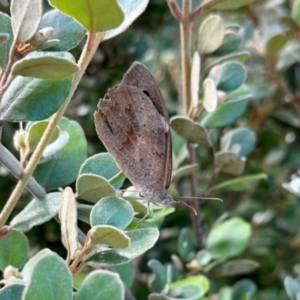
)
(174, 9)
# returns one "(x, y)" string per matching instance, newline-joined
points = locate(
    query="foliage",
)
(233, 95)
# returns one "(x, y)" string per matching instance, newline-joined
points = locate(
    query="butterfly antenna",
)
(199, 198)
(189, 206)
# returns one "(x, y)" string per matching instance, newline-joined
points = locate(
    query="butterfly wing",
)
(134, 132)
(138, 76)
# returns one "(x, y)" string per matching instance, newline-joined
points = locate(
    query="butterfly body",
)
(133, 124)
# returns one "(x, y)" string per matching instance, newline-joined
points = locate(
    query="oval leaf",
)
(112, 211)
(46, 66)
(107, 235)
(229, 163)
(210, 34)
(195, 79)
(210, 95)
(104, 165)
(190, 131)
(240, 141)
(32, 99)
(233, 76)
(141, 240)
(14, 248)
(95, 16)
(49, 277)
(132, 10)
(38, 211)
(111, 285)
(228, 238)
(92, 188)
(25, 18)
(69, 35)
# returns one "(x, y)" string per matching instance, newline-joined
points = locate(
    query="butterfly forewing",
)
(133, 131)
(140, 77)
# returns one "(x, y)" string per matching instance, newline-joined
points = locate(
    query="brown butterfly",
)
(133, 124)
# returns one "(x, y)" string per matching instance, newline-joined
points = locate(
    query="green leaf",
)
(141, 240)
(241, 183)
(296, 11)
(92, 187)
(48, 277)
(190, 131)
(33, 99)
(275, 44)
(5, 27)
(25, 18)
(186, 244)
(234, 268)
(52, 151)
(14, 249)
(233, 76)
(184, 171)
(104, 165)
(225, 4)
(203, 257)
(84, 211)
(69, 35)
(210, 34)
(3, 38)
(158, 282)
(12, 292)
(127, 273)
(112, 211)
(38, 211)
(228, 238)
(288, 116)
(64, 168)
(132, 10)
(226, 113)
(241, 56)
(229, 163)
(192, 288)
(35, 132)
(243, 289)
(232, 40)
(46, 65)
(179, 149)
(95, 16)
(240, 141)
(111, 287)
(108, 235)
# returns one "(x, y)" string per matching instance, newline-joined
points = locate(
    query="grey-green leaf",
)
(32, 99)
(112, 211)
(141, 240)
(69, 35)
(111, 285)
(5, 27)
(132, 10)
(49, 277)
(210, 34)
(104, 165)
(228, 238)
(108, 235)
(190, 131)
(240, 141)
(25, 18)
(14, 248)
(64, 168)
(92, 187)
(229, 163)
(38, 211)
(46, 66)
(12, 291)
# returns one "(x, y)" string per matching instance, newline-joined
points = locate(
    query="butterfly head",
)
(162, 197)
